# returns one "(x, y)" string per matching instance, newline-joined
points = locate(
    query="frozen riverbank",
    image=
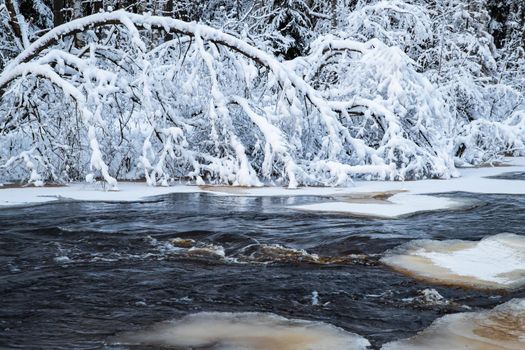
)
(377, 199)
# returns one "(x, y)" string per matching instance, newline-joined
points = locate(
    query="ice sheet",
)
(500, 328)
(246, 331)
(495, 262)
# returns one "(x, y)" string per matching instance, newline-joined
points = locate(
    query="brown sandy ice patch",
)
(500, 328)
(495, 262)
(246, 331)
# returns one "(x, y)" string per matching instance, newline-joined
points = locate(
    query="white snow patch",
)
(495, 262)
(409, 196)
(398, 205)
(128, 191)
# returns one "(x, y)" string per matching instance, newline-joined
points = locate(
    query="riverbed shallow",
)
(77, 274)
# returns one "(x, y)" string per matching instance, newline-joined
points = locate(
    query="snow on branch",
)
(101, 95)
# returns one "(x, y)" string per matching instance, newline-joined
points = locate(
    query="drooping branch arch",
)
(207, 33)
(239, 137)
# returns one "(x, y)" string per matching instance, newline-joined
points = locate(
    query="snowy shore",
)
(386, 199)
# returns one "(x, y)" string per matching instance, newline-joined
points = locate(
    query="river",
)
(77, 274)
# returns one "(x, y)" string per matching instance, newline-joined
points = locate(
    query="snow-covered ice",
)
(495, 262)
(399, 205)
(500, 328)
(243, 331)
(400, 197)
(127, 191)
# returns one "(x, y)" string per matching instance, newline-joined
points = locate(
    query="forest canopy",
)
(284, 92)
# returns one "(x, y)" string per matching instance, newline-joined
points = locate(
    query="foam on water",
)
(246, 331)
(495, 262)
(500, 328)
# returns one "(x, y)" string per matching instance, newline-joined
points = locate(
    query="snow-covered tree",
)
(296, 92)
(217, 108)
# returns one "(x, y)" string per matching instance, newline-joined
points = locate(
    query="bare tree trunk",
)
(168, 9)
(58, 16)
(13, 20)
(77, 9)
(92, 7)
(334, 13)
(168, 12)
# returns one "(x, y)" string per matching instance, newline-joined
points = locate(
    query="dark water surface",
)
(74, 274)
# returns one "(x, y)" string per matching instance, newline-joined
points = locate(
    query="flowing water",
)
(78, 274)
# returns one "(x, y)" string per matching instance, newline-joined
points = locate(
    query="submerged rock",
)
(253, 253)
(246, 331)
(428, 298)
(276, 253)
(500, 328)
(495, 262)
